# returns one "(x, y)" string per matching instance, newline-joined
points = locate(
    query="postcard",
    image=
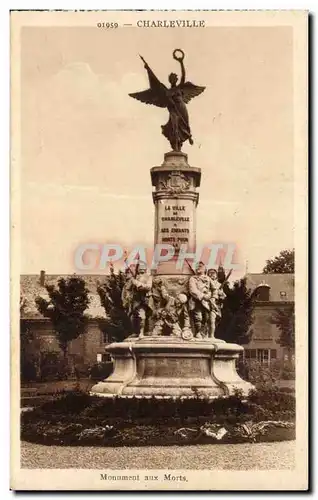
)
(159, 250)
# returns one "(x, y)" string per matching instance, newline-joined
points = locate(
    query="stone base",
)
(172, 367)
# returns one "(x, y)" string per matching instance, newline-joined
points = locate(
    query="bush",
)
(100, 371)
(28, 371)
(69, 403)
(288, 372)
(82, 370)
(266, 375)
(259, 374)
(275, 401)
(80, 405)
(77, 418)
(54, 367)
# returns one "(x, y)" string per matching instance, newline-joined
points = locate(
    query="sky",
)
(87, 147)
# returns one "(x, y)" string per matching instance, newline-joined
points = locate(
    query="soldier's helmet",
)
(200, 265)
(212, 271)
(142, 266)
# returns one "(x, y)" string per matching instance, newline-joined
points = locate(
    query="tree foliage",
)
(237, 314)
(281, 264)
(65, 308)
(23, 325)
(117, 325)
(284, 319)
(26, 335)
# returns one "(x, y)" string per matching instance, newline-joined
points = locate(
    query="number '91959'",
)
(107, 25)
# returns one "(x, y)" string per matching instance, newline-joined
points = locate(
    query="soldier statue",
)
(136, 298)
(200, 300)
(216, 301)
(170, 313)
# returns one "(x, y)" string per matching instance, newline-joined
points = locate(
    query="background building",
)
(43, 346)
(273, 292)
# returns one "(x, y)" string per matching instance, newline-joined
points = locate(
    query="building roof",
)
(30, 288)
(281, 285)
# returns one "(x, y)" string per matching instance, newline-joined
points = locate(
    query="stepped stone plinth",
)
(172, 367)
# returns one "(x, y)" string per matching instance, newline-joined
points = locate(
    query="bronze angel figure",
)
(177, 129)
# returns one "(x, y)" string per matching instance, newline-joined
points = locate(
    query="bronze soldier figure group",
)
(154, 312)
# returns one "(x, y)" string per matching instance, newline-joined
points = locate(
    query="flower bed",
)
(78, 419)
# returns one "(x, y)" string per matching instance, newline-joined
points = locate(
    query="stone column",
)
(175, 197)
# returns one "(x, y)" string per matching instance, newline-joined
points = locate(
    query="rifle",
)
(226, 278)
(111, 267)
(125, 261)
(193, 271)
(137, 266)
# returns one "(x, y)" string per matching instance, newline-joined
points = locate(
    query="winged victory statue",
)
(177, 129)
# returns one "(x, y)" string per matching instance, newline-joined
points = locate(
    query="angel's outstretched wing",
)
(156, 94)
(189, 91)
(151, 97)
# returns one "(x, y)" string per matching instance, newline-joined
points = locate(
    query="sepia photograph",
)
(159, 317)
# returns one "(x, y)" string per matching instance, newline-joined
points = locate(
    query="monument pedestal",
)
(172, 367)
(175, 197)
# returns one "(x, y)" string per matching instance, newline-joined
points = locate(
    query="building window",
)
(250, 353)
(264, 356)
(262, 292)
(99, 358)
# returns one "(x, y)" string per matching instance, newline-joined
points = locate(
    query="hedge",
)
(77, 418)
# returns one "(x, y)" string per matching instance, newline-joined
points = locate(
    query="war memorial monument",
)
(176, 308)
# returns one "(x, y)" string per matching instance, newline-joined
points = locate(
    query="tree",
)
(65, 308)
(284, 319)
(237, 314)
(281, 264)
(25, 334)
(24, 331)
(117, 325)
(29, 347)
